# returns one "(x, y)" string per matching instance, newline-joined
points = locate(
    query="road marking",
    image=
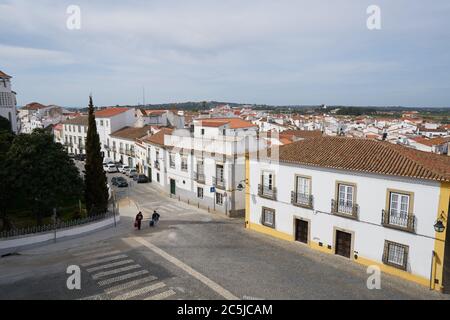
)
(162, 295)
(110, 265)
(90, 263)
(130, 284)
(114, 271)
(90, 251)
(211, 284)
(104, 254)
(140, 291)
(122, 277)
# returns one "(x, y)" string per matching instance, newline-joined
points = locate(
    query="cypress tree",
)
(96, 191)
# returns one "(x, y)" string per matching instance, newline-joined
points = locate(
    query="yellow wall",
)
(439, 244)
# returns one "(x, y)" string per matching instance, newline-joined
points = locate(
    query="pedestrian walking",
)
(155, 218)
(137, 222)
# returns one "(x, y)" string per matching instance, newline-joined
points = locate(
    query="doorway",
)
(172, 186)
(301, 231)
(343, 243)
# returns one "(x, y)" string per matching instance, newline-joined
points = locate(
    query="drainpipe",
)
(433, 255)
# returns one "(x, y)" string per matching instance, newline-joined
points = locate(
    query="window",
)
(171, 160)
(184, 165)
(267, 179)
(199, 193)
(224, 132)
(101, 123)
(219, 198)
(345, 197)
(79, 128)
(302, 193)
(157, 177)
(268, 217)
(399, 205)
(395, 254)
(219, 172)
(202, 132)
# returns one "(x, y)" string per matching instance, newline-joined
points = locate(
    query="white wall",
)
(371, 197)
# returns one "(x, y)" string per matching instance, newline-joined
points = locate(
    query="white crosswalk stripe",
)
(122, 277)
(130, 284)
(114, 271)
(97, 261)
(110, 265)
(138, 292)
(162, 295)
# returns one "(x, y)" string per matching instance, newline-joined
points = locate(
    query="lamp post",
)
(439, 225)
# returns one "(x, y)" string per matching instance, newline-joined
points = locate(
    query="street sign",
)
(212, 189)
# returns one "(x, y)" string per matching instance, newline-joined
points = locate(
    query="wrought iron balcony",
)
(199, 177)
(266, 192)
(405, 222)
(219, 183)
(344, 209)
(107, 147)
(156, 164)
(302, 200)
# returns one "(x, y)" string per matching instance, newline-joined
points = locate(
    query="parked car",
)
(105, 167)
(80, 157)
(122, 168)
(141, 178)
(111, 168)
(120, 182)
(131, 172)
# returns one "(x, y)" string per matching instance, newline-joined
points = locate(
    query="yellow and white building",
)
(370, 201)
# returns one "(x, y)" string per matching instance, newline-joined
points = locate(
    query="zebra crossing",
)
(119, 276)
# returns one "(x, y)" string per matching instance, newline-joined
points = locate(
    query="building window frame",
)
(401, 251)
(219, 199)
(200, 192)
(264, 221)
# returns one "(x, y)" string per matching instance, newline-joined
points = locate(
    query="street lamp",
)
(439, 225)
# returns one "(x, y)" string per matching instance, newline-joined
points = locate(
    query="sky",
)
(279, 52)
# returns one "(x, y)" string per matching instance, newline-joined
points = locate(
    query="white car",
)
(123, 168)
(130, 172)
(105, 167)
(111, 168)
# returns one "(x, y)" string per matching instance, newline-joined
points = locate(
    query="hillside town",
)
(374, 190)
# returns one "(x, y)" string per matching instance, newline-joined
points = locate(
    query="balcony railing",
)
(266, 192)
(199, 177)
(301, 199)
(121, 150)
(344, 209)
(406, 222)
(107, 147)
(156, 164)
(184, 166)
(130, 152)
(219, 183)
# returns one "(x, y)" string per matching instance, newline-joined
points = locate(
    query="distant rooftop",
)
(4, 75)
(234, 123)
(131, 133)
(110, 112)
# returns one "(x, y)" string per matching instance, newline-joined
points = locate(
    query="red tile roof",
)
(234, 123)
(365, 155)
(131, 133)
(302, 134)
(431, 142)
(34, 106)
(4, 75)
(158, 138)
(110, 112)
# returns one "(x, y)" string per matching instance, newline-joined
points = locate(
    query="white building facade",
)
(364, 212)
(8, 101)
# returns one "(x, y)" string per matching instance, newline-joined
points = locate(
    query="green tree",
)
(5, 125)
(6, 194)
(96, 191)
(41, 176)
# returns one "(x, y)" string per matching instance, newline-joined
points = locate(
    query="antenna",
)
(143, 96)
